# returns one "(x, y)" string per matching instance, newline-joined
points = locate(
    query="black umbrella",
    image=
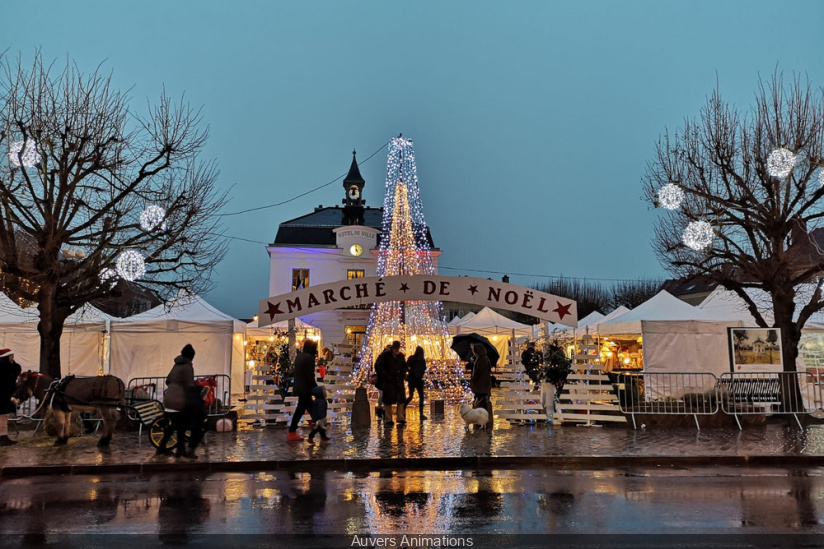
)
(461, 345)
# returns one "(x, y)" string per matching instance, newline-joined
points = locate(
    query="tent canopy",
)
(188, 312)
(253, 330)
(662, 306)
(729, 304)
(487, 322)
(145, 345)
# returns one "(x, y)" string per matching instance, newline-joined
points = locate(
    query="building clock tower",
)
(353, 202)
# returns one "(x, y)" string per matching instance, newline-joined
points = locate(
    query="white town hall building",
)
(329, 245)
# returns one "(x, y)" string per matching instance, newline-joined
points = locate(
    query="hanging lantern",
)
(130, 265)
(671, 196)
(698, 235)
(30, 156)
(153, 218)
(108, 276)
(781, 162)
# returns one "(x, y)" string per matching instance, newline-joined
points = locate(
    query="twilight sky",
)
(532, 120)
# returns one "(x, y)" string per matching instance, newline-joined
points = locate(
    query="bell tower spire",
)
(353, 202)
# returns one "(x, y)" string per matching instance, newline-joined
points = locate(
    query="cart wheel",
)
(156, 433)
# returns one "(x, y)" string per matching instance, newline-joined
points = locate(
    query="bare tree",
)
(631, 293)
(80, 167)
(755, 178)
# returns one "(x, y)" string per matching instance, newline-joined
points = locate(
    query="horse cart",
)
(143, 405)
(141, 400)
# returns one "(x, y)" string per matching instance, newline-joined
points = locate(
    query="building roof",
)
(315, 229)
(354, 177)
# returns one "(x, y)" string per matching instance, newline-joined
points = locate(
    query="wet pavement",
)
(179, 507)
(439, 443)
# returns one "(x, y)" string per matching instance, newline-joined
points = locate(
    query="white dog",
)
(474, 416)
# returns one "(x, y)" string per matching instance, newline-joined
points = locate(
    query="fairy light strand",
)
(406, 251)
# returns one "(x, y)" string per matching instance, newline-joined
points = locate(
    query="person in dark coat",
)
(416, 365)
(380, 411)
(394, 393)
(320, 408)
(481, 380)
(183, 406)
(531, 361)
(9, 372)
(302, 385)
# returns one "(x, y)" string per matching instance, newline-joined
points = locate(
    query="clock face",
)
(354, 193)
(356, 250)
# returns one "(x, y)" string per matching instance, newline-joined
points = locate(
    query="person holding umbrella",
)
(481, 381)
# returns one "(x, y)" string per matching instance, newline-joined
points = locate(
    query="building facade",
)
(331, 244)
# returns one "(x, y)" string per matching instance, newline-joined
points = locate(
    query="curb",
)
(421, 464)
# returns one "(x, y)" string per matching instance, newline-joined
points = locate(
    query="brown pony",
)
(83, 394)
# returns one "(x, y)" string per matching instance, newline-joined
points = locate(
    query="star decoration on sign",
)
(404, 287)
(473, 289)
(274, 309)
(562, 310)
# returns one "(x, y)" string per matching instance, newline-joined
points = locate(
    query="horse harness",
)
(59, 396)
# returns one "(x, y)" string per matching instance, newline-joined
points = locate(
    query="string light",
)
(671, 196)
(30, 156)
(781, 162)
(153, 217)
(405, 251)
(109, 276)
(698, 235)
(130, 265)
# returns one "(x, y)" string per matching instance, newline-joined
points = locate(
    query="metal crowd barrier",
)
(762, 393)
(152, 388)
(668, 393)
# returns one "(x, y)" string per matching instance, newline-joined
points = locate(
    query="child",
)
(319, 408)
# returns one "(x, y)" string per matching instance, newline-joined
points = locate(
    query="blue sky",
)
(532, 120)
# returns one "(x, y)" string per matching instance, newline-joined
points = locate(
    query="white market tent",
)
(83, 345)
(253, 330)
(728, 303)
(145, 345)
(487, 323)
(661, 307)
(588, 321)
(677, 337)
(494, 326)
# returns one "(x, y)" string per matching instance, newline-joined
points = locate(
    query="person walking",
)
(302, 385)
(319, 410)
(531, 361)
(9, 372)
(179, 408)
(379, 368)
(394, 392)
(481, 381)
(416, 365)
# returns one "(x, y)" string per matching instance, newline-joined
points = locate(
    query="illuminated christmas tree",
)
(405, 250)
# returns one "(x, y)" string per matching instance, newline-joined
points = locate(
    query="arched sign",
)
(362, 291)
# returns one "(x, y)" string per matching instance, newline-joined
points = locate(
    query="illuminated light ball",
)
(153, 218)
(671, 196)
(698, 235)
(30, 155)
(130, 265)
(108, 275)
(781, 162)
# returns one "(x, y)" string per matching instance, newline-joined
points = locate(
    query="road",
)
(709, 501)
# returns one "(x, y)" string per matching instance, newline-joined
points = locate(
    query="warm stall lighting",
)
(255, 318)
